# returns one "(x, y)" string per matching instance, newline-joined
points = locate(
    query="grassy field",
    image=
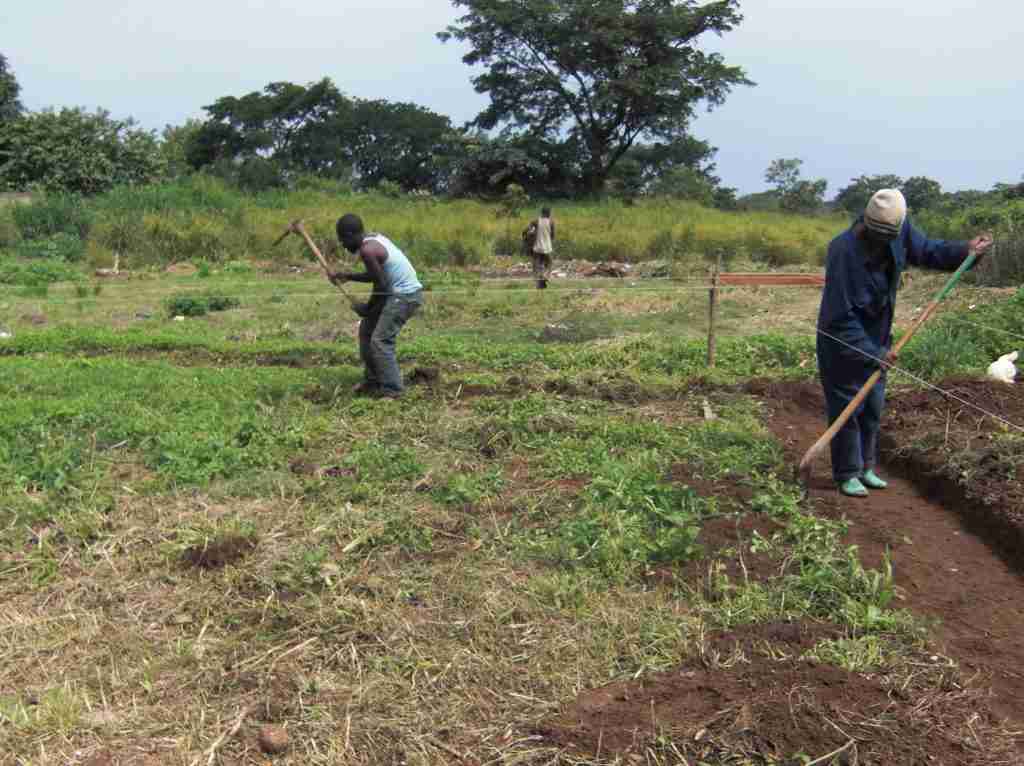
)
(202, 219)
(200, 526)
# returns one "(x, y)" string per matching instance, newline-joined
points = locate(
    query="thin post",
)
(713, 310)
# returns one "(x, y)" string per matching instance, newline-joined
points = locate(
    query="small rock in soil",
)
(273, 739)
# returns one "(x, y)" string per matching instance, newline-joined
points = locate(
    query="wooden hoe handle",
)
(825, 439)
(296, 227)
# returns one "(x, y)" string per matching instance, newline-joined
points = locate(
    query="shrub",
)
(1005, 268)
(180, 239)
(463, 254)
(121, 234)
(191, 305)
(767, 249)
(53, 214)
(506, 244)
(668, 245)
(259, 174)
(57, 247)
(389, 189)
(9, 236)
(41, 272)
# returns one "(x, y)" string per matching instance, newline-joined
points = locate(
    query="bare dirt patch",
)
(734, 492)
(725, 543)
(947, 564)
(424, 376)
(218, 553)
(778, 708)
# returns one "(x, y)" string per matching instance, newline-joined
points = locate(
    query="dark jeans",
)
(541, 265)
(377, 336)
(855, 447)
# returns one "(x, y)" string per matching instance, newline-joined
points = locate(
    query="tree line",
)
(586, 98)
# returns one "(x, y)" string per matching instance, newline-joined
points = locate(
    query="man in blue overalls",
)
(855, 323)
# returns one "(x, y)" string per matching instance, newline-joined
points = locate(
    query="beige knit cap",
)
(886, 211)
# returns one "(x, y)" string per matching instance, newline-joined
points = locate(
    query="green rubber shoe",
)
(853, 488)
(872, 480)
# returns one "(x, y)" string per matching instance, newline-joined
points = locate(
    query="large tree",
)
(76, 151)
(284, 120)
(605, 73)
(853, 197)
(399, 142)
(796, 195)
(921, 193)
(10, 106)
(317, 129)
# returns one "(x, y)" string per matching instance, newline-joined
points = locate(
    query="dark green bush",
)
(463, 254)
(40, 272)
(508, 245)
(56, 247)
(1005, 267)
(192, 305)
(53, 214)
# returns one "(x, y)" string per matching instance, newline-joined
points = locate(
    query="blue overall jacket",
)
(860, 296)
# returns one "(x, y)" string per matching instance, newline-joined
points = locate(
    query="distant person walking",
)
(862, 274)
(540, 238)
(397, 295)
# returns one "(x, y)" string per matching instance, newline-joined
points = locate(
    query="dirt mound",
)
(1006, 400)
(930, 433)
(220, 552)
(424, 376)
(779, 708)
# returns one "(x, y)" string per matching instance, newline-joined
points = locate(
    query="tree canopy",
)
(604, 74)
(920, 192)
(10, 106)
(795, 194)
(73, 150)
(317, 129)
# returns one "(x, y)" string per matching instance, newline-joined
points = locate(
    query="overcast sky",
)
(920, 87)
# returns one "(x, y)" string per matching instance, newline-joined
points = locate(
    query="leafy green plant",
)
(56, 247)
(36, 272)
(468, 489)
(192, 305)
(628, 522)
(53, 214)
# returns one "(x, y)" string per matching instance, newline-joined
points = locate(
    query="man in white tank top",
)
(542, 232)
(397, 295)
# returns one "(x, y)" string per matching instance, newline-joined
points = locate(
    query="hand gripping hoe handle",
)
(316, 252)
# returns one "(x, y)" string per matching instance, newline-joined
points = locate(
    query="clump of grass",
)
(629, 521)
(193, 305)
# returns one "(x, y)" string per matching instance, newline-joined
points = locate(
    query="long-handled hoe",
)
(296, 228)
(804, 471)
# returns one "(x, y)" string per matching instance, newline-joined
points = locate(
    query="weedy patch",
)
(203, 528)
(194, 305)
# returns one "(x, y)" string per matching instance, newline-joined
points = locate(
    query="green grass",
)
(453, 567)
(202, 219)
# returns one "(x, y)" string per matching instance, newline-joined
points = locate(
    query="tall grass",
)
(203, 218)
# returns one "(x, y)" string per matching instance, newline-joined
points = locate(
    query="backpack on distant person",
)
(529, 238)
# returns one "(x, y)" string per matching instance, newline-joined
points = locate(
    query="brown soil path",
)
(941, 568)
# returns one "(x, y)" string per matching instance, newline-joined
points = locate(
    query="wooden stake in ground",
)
(713, 311)
(804, 471)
